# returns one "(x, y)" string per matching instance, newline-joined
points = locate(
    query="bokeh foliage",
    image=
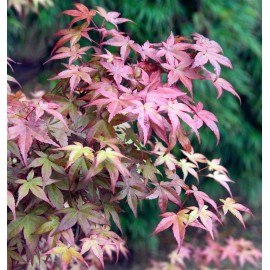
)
(236, 25)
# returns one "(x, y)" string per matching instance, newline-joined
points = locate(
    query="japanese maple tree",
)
(103, 137)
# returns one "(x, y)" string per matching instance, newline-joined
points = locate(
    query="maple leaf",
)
(201, 197)
(28, 223)
(203, 116)
(208, 51)
(149, 171)
(119, 70)
(148, 52)
(83, 214)
(157, 93)
(111, 17)
(205, 216)
(67, 253)
(47, 163)
(164, 192)
(175, 110)
(195, 157)
(177, 221)
(133, 189)
(222, 179)
(220, 84)
(111, 160)
(82, 13)
(73, 53)
(114, 102)
(172, 50)
(77, 150)
(75, 74)
(126, 45)
(72, 34)
(25, 130)
(31, 184)
(70, 107)
(214, 165)
(181, 71)
(187, 167)
(168, 159)
(229, 204)
(48, 107)
(148, 119)
(95, 247)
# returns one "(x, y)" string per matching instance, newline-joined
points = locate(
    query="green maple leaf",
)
(31, 184)
(83, 214)
(28, 223)
(47, 164)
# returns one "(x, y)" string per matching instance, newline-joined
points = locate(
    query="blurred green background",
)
(234, 24)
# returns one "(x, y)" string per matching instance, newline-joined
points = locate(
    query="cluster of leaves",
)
(234, 24)
(104, 136)
(237, 252)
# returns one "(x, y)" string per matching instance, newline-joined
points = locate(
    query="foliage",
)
(235, 252)
(104, 135)
(235, 24)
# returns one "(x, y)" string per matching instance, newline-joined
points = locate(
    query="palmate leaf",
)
(177, 221)
(73, 53)
(111, 17)
(164, 192)
(31, 184)
(201, 197)
(50, 108)
(114, 102)
(25, 131)
(209, 51)
(172, 50)
(72, 34)
(205, 216)
(95, 247)
(229, 204)
(76, 151)
(85, 215)
(126, 45)
(67, 253)
(222, 179)
(118, 70)
(111, 161)
(28, 223)
(80, 13)
(75, 74)
(47, 164)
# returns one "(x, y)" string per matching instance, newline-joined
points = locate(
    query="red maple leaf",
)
(173, 50)
(82, 13)
(203, 116)
(25, 131)
(76, 74)
(209, 51)
(119, 70)
(126, 45)
(111, 17)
